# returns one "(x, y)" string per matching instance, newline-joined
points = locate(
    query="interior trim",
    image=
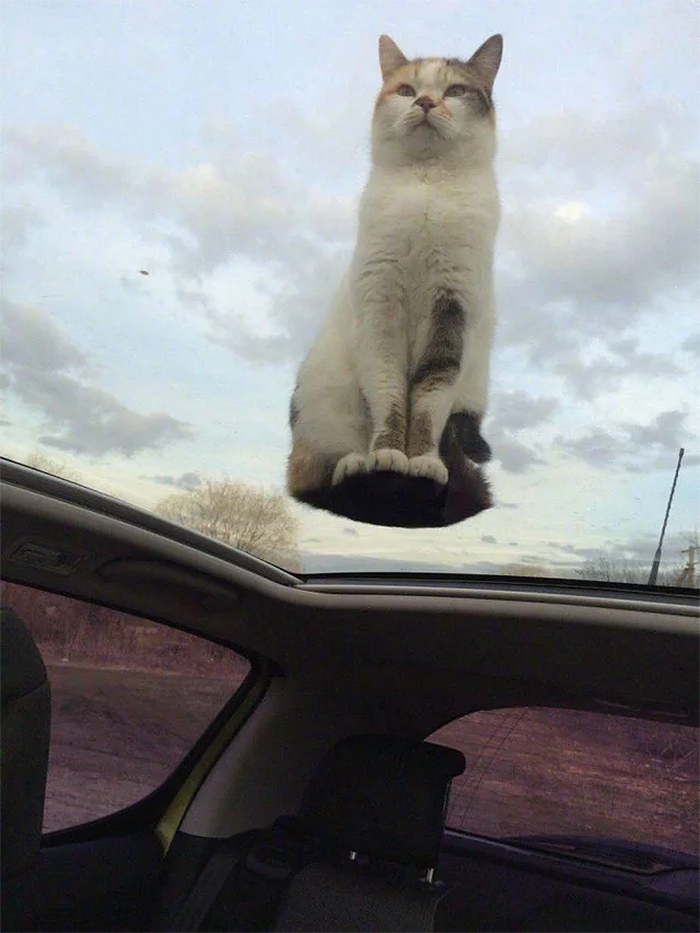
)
(31, 480)
(687, 606)
(173, 817)
(167, 544)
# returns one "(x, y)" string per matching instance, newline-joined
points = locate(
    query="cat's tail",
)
(468, 491)
(465, 427)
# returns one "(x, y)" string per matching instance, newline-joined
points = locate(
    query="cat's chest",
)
(419, 221)
(415, 214)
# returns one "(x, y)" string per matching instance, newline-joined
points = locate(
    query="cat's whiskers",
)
(444, 123)
(415, 118)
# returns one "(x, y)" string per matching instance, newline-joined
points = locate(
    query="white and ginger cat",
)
(402, 359)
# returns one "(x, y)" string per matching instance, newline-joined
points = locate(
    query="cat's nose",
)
(427, 103)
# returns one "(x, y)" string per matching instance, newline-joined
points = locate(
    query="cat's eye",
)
(405, 90)
(456, 90)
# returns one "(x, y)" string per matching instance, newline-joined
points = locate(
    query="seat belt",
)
(246, 878)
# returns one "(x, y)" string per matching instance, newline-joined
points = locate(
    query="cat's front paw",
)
(387, 459)
(429, 467)
(349, 465)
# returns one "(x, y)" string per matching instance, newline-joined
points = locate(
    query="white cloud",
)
(52, 377)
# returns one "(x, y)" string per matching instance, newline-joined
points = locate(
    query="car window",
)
(565, 772)
(129, 698)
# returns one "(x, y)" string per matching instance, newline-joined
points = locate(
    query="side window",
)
(129, 698)
(542, 772)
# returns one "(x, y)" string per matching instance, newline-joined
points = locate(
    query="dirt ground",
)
(565, 772)
(117, 734)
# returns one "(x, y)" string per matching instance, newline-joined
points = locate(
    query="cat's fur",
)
(400, 368)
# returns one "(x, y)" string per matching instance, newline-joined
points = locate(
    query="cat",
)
(397, 379)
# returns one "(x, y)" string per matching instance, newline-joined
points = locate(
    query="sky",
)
(221, 147)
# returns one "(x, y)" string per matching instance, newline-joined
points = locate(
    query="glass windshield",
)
(181, 185)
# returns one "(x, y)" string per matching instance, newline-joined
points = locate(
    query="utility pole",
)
(657, 557)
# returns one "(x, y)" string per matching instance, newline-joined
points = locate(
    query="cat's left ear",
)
(391, 58)
(487, 59)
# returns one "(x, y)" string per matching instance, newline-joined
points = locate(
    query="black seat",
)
(378, 802)
(24, 748)
(360, 854)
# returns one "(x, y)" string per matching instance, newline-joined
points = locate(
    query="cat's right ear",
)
(391, 58)
(487, 59)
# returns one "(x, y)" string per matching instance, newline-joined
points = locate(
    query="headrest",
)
(382, 796)
(23, 668)
(24, 741)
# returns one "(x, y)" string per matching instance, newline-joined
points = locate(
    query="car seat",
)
(24, 757)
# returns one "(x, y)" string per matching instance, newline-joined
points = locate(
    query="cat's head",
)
(429, 107)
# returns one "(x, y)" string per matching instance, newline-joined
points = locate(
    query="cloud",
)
(665, 431)
(606, 372)
(600, 222)
(33, 342)
(17, 221)
(634, 554)
(578, 149)
(359, 563)
(517, 410)
(52, 376)
(596, 447)
(603, 268)
(513, 455)
(513, 412)
(635, 447)
(68, 162)
(601, 227)
(691, 345)
(234, 206)
(187, 481)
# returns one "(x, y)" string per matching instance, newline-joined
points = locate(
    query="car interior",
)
(318, 797)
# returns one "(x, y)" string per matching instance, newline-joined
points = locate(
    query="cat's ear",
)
(391, 58)
(487, 59)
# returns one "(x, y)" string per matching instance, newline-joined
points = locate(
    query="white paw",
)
(387, 459)
(429, 467)
(349, 465)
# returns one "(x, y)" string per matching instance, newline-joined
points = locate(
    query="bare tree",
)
(687, 575)
(525, 569)
(40, 461)
(247, 517)
(609, 569)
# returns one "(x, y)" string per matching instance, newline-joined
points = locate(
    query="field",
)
(116, 734)
(539, 771)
